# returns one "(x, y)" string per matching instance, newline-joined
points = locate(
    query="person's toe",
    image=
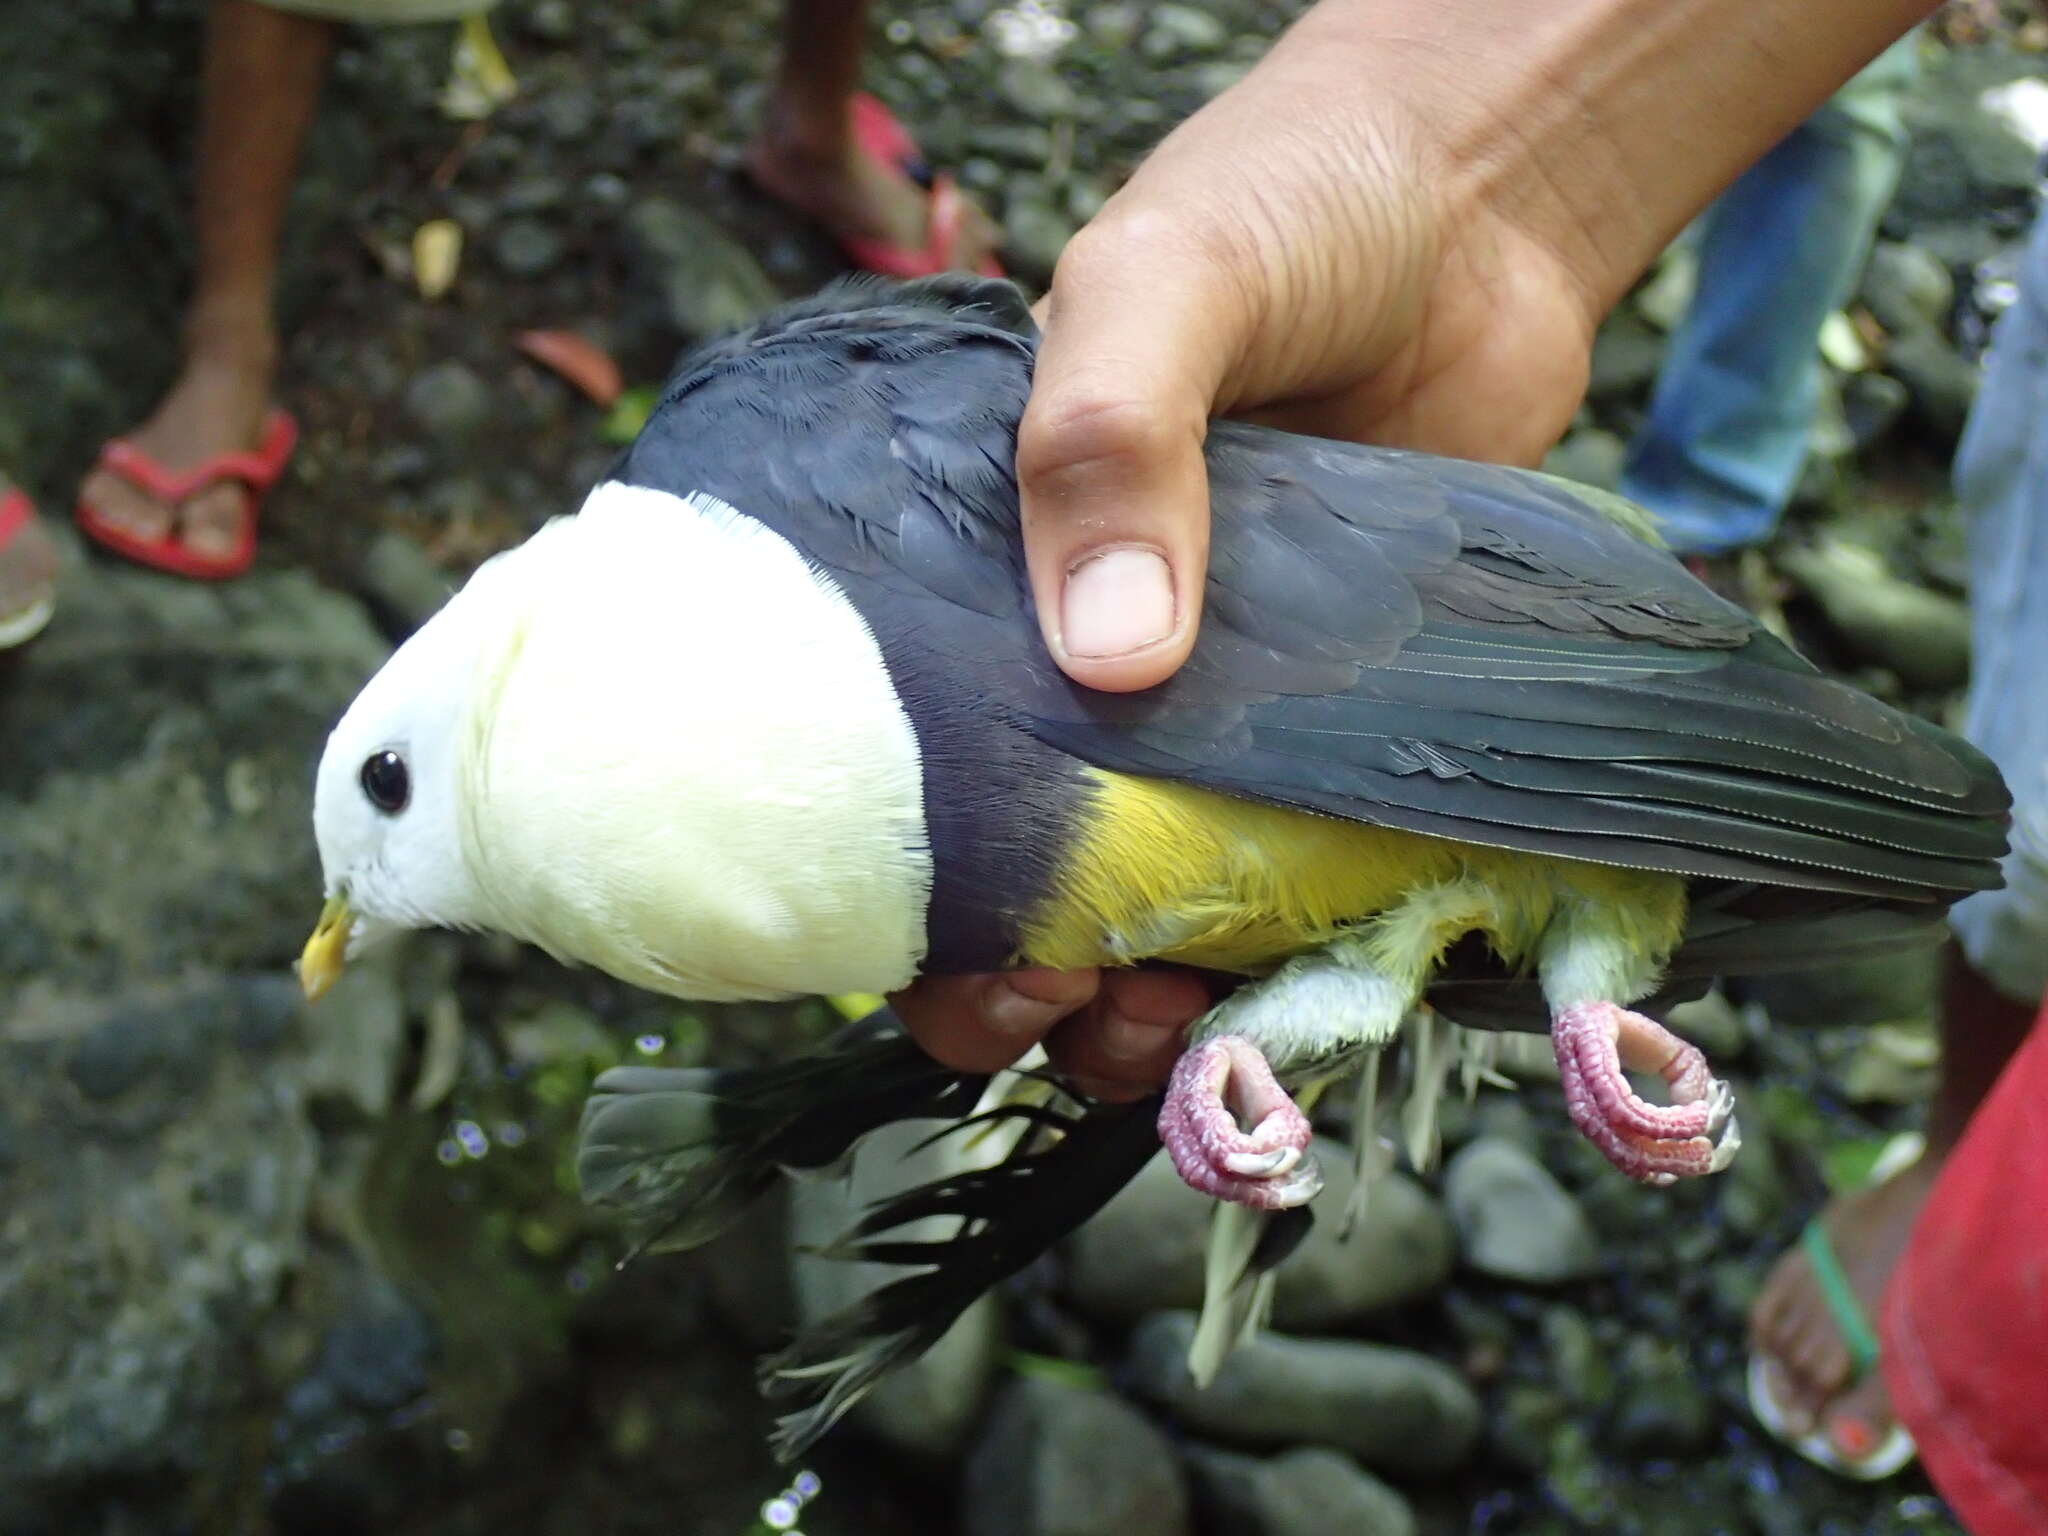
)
(124, 506)
(1858, 1421)
(211, 523)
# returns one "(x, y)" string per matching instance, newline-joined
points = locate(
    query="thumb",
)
(1138, 338)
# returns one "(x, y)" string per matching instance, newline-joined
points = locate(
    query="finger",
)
(1138, 337)
(983, 1023)
(1126, 1042)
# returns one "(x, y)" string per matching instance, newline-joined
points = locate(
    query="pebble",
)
(1713, 1024)
(1060, 1460)
(526, 248)
(1143, 1253)
(1516, 1222)
(1036, 91)
(1398, 1411)
(1177, 31)
(1578, 1359)
(703, 280)
(1591, 456)
(448, 400)
(1307, 1492)
(1903, 283)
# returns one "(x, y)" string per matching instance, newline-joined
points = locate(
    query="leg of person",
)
(1999, 967)
(1721, 449)
(263, 72)
(809, 155)
(1965, 1317)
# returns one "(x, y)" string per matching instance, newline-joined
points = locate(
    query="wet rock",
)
(1113, 27)
(1579, 1362)
(1590, 456)
(1058, 1460)
(1397, 1411)
(1036, 91)
(1662, 1409)
(1904, 285)
(1872, 404)
(448, 401)
(1515, 1222)
(1024, 144)
(701, 281)
(1921, 635)
(570, 114)
(1872, 990)
(552, 21)
(1034, 234)
(1143, 1253)
(1893, 1064)
(1307, 1492)
(1713, 1024)
(1527, 1419)
(930, 1406)
(526, 248)
(404, 586)
(1626, 354)
(156, 1202)
(1180, 31)
(1940, 384)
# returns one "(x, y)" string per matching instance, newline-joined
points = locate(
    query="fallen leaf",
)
(628, 416)
(479, 79)
(583, 363)
(436, 256)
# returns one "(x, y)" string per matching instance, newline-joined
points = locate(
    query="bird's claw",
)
(1658, 1144)
(1267, 1167)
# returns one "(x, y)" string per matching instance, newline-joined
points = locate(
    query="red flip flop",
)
(878, 133)
(255, 469)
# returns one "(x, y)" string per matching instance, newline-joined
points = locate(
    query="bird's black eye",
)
(386, 781)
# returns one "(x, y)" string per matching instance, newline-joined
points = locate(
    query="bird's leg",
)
(1215, 1084)
(1696, 1133)
(1230, 1128)
(1593, 959)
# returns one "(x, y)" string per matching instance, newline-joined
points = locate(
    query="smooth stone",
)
(1515, 1221)
(1591, 456)
(1579, 1361)
(1904, 283)
(1712, 1023)
(1307, 1492)
(1143, 1253)
(1398, 1411)
(448, 400)
(703, 281)
(1060, 1460)
(1923, 636)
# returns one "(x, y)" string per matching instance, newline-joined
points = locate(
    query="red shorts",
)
(1965, 1320)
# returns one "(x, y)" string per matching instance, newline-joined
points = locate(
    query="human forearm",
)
(1601, 126)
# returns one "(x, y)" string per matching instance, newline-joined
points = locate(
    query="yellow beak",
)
(326, 952)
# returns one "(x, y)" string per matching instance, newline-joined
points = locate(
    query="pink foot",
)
(1267, 1167)
(1654, 1143)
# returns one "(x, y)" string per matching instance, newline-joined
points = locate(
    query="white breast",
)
(697, 774)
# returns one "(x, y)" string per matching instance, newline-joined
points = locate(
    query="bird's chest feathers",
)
(698, 777)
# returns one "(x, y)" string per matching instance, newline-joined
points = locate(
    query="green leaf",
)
(628, 415)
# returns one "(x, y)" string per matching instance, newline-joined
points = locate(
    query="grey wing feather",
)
(1460, 649)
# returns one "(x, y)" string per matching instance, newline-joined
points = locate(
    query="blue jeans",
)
(1726, 436)
(2002, 482)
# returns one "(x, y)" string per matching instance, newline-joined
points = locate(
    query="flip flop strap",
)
(15, 511)
(257, 468)
(1840, 1297)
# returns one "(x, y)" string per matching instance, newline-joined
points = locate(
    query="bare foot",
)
(217, 405)
(1791, 1328)
(857, 197)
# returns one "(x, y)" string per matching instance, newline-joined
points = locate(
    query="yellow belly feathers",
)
(1170, 872)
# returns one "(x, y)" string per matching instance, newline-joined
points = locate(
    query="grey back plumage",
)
(1460, 649)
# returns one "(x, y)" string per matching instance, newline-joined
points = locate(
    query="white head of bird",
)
(653, 739)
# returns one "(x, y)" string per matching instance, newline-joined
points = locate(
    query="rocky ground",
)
(265, 1270)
